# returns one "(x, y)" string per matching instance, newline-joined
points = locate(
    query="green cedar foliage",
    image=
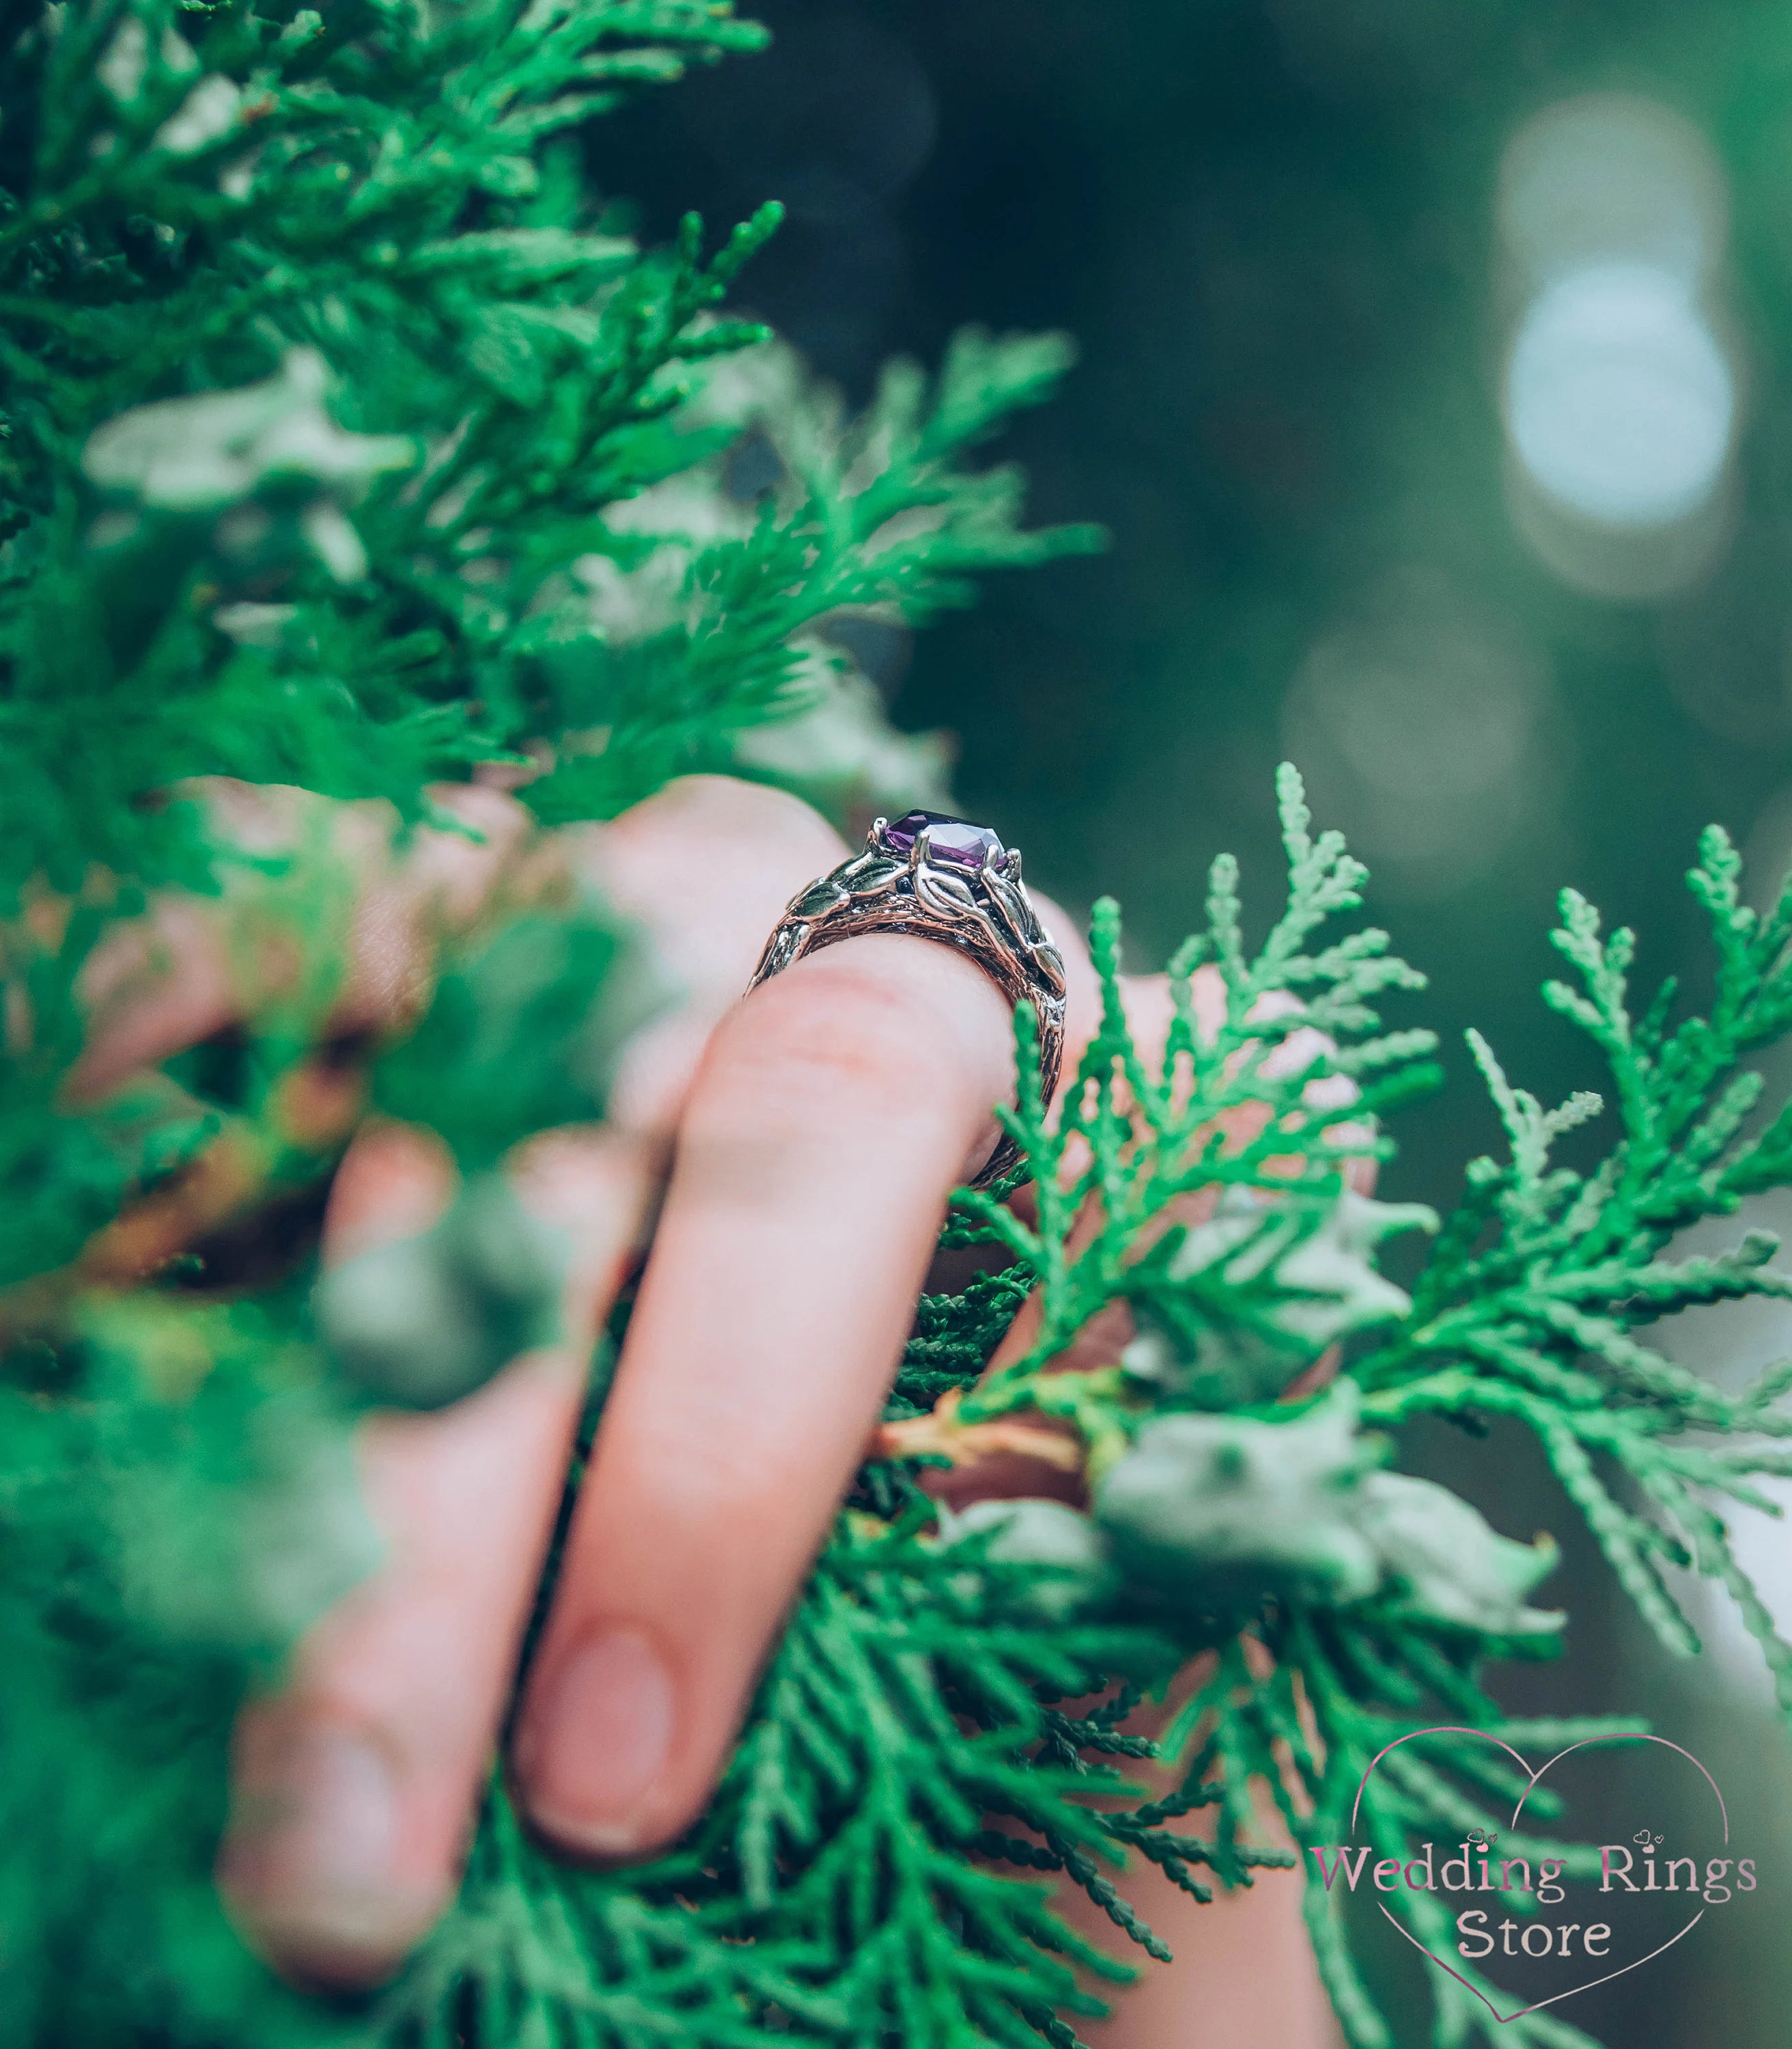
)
(1526, 1307)
(349, 442)
(347, 263)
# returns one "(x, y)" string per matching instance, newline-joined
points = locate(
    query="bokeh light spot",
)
(1421, 722)
(1611, 174)
(1619, 400)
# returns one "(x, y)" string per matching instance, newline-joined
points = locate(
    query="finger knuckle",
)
(731, 812)
(846, 1036)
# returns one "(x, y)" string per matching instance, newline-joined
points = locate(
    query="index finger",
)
(836, 1109)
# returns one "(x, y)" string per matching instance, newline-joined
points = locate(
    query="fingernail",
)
(594, 1744)
(311, 1854)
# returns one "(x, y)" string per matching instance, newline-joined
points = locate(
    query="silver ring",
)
(946, 879)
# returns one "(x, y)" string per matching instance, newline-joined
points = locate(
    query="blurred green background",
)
(1437, 389)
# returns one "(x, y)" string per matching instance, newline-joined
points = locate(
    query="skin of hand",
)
(1243, 1973)
(796, 1148)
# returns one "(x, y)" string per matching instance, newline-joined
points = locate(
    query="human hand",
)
(804, 1140)
(816, 1128)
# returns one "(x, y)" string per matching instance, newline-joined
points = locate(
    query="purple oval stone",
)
(955, 840)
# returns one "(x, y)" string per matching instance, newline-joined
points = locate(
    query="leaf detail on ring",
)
(789, 942)
(819, 898)
(944, 895)
(1008, 905)
(872, 874)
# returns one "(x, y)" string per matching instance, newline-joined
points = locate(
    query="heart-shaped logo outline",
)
(1534, 1778)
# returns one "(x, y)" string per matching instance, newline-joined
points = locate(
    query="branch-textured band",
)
(945, 879)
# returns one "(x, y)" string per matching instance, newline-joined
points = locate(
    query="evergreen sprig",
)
(1538, 1287)
(332, 395)
(349, 443)
(1246, 1102)
(1526, 1307)
(838, 1889)
(702, 633)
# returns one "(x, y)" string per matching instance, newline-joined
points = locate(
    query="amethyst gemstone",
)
(955, 840)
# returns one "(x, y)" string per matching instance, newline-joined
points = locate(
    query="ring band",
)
(945, 879)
